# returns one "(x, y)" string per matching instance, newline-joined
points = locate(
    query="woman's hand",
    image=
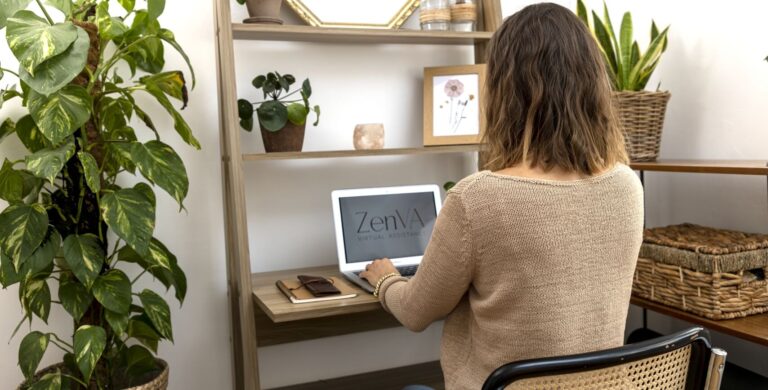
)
(378, 269)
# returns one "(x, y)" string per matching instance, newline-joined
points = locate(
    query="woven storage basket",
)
(717, 274)
(641, 114)
(159, 383)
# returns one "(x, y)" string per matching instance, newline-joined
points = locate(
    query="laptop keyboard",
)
(407, 271)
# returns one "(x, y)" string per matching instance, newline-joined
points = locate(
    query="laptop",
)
(392, 222)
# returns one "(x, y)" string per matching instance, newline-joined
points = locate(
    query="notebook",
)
(302, 295)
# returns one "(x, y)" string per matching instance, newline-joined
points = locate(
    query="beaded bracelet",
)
(381, 281)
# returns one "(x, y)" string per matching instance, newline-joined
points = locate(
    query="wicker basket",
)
(642, 117)
(718, 274)
(160, 382)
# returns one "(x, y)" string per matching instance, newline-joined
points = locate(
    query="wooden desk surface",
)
(752, 328)
(279, 309)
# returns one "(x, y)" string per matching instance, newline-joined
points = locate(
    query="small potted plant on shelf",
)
(641, 112)
(263, 11)
(282, 116)
(72, 225)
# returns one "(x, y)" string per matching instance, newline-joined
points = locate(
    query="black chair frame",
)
(699, 372)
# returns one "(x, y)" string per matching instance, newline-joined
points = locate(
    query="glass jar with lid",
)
(435, 15)
(463, 15)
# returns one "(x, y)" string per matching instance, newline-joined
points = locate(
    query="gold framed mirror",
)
(384, 14)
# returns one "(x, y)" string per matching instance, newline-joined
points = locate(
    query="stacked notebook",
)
(297, 293)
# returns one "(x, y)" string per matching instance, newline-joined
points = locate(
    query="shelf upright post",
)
(488, 19)
(244, 346)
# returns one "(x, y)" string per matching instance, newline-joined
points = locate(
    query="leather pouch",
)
(318, 285)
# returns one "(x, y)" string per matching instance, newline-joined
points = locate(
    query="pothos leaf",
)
(113, 291)
(160, 164)
(128, 5)
(36, 297)
(47, 163)
(109, 27)
(33, 40)
(181, 125)
(11, 183)
(74, 297)
(91, 170)
(9, 8)
(90, 342)
(31, 351)
(60, 114)
(30, 134)
(85, 257)
(22, 229)
(158, 312)
(55, 73)
(131, 216)
(171, 83)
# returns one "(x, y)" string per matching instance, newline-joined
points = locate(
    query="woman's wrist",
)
(381, 281)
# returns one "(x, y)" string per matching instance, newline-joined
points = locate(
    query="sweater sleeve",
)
(444, 274)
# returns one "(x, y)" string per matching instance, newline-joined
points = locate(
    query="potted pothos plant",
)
(282, 116)
(72, 227)
(641, 112)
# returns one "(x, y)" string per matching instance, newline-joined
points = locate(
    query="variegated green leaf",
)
(626, 47)
(47, 163)
(65, 6)
(160, 164)
(581, 12)
(22, 230)
(9, 8)
(158, 312)
(7, 128)
(85, 256)
(113, 291)
(90, 342)
(147, 191)
(109, 27)
(143, 332)
(118, 322)
(131, 216)
(30, 134)
(172, 83)
(181, 125)
(31, 351)
(650, 57)
(635, 55)
(36, 297)
(75, 298)
(11, 183)
(169, 38)
(33, 40)
(91, 170)
(50, 381)
(611, 58)
(42, 258)
(155, 8)
(128, 5)
(52, 75)
(8, 274)
(59, 115)
(162, 264)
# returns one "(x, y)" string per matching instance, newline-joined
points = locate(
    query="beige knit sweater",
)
(525, 268)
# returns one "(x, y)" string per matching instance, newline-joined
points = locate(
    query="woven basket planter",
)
(641, 115)
(160, 382)
(715, 273)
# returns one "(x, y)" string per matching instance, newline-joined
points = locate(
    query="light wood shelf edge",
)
(733, 167)
(361, 153)
(293, 33)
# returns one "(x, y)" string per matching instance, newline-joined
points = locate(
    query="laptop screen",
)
(391, 226)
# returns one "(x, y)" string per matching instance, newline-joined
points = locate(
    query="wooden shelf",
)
(428, 374)
(279, 309)
(744, 167)
(361, 153)
(752, 328)
(362, 36)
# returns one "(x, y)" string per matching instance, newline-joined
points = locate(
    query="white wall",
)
(713, 68)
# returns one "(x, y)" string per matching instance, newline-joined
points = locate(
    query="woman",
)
(535, 257)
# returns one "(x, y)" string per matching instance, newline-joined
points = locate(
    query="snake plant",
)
(629, 67)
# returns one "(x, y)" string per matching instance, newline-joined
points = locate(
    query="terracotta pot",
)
(288, 139)
(264, 11)
(157, 382)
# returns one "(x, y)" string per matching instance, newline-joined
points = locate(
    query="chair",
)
(684, 360)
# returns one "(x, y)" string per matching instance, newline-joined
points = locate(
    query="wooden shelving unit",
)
(361, 153)
(355, 36)
(256, 308)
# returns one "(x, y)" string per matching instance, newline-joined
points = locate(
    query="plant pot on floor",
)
(641, 115)
(264, 11)
(288, 139)
(157, 381)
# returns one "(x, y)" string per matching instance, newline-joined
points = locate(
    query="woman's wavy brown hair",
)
(548, 100)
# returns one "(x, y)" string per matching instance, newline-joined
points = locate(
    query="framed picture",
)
(453, 105)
